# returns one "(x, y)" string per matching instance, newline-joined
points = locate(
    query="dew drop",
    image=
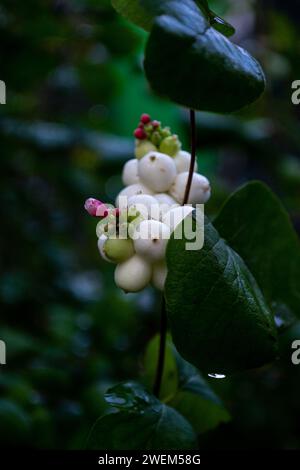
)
(217, 376)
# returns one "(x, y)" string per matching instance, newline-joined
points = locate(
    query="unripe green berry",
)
(156, 139)
(118, 250)
(148, 128)
(165, 132)
(170, 145)
(143, 147)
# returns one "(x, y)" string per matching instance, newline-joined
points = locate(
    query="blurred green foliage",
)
(75, 89)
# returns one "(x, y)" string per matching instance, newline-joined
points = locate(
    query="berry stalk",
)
(163, 318)
(193, 156)
(162, 349)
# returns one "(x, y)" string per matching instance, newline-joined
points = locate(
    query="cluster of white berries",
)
(135, 235)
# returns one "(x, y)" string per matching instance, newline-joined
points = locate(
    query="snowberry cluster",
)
(135, 234)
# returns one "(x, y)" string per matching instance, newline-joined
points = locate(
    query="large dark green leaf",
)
(219, 319)
(134, 12)
(184, 388)
(140, 422)
(221, 25)
(196, 66)
(216, 21)
(143, 14)
(196, 401)
(254, 222)
(169, 385)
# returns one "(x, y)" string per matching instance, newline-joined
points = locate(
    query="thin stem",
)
(193, 156)
(163, 317)
(162, 348)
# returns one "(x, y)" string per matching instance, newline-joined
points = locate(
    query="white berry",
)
(133, 275)
(166, 203)
(183, 161)
(175, 216)
(157, 171)
(150, 239)
(129, 191)
(159, 275)
(200, 189)
(130, 172)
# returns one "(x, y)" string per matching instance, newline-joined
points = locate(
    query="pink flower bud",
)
(145, 118)
(140, 134)
(95, 208)
(102, 211)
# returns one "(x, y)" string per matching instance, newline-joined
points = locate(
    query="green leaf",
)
(254, 222)
(196, 401)
(196, 66)
(143, 15)
(140, 422)
(134, 12)
(221, 25)
(185, 389)
(169, 384)
(203, 5)
(190, 380)
(219, 319)
(215, 21)
(204, 415)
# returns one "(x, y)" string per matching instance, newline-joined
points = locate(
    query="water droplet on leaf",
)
(217, 376)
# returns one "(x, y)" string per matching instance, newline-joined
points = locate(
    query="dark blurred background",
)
(75, 91)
